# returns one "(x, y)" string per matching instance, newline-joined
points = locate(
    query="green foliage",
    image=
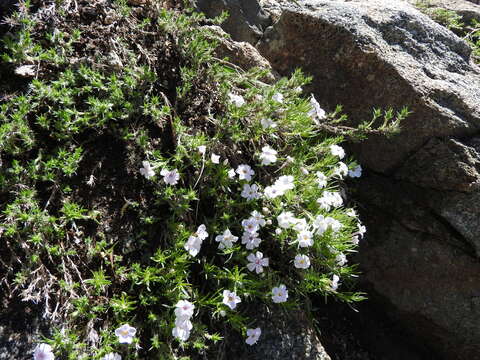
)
(101, 245)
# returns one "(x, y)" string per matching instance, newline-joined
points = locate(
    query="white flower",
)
(302, 262)
(341, 259)
(336, 150)
(334, 224)
(272, 192)
(112, 356)
(258, 217)
(316, 112)
(304, 238)
(180, 333)
(321, 179)
(330, 199)
(231, 173)
(253, 335)
(362, 229)
(341, 170)
(286, 219)
(351, 213)
(201, 232)
(320, 225)
(226, 240)
(278, 97)
(215, 158)
(43, 352)
(237, 100)
(355, 239)
(257, 262)
(231, 299)
(125, 334)
(147, 170)
(280, 294)
(170, 177)
(250, 192)
(193, 245)
(25, 71)
(356, 172)
(184, 308)
(304, 171)
(300, 225)
(335, 282)
(183, 322)
(245, 172)
(250, 225)
(251, 240)
(278, 231)
(268, 155)
(285, 182)
(202, 149)
(268, 123)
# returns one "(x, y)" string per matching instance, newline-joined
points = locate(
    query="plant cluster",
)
(150, 191)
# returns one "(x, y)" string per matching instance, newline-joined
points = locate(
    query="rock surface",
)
(465, 8)
(421, 190)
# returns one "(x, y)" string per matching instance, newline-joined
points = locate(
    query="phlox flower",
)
(231, 299)
(250, 192)
(237, 100)
(355, 239)
(335, 282)
(112, 356)
(146, 170)
(184, 308)
(316, 112)
(231, 173)
(183, 322)
(202, 149)
(245, 172)
(125, 334)
(201, 232)
(25, 70)
(356, 172)
(336, 150)
(258, 217)
(300, 225)
(180, 333)
(253, 335)
(268, 155)
(301, 261)
(321, 179)
(341, 170)
(285, 182)
(278, 98)
(362, 229)
(215, 158)
(251, 240)
(279, 294)
(193, 245)
(341, 259)
(43, 352)
(351, 213)
(257, 262)
(273, 191)
(170, 177)
(268, 123)
(330, 199)
(226, 240)
(286, 219)
(334, 224)
(250, 225)
(304, 238)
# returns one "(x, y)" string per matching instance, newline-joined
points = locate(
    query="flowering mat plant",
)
(151, 191)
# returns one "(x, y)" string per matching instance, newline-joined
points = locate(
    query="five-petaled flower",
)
(257, 262)
(250, 192)
(170, 177)
(279, 294)
(245, 172)
(302, 262)
(43, 352)
(231, 299)
(268, 155)
(226, 240)
(336, 150)
(125, 334)
(147, 170)
(237, 100)
(253, 335)
(184, 308)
